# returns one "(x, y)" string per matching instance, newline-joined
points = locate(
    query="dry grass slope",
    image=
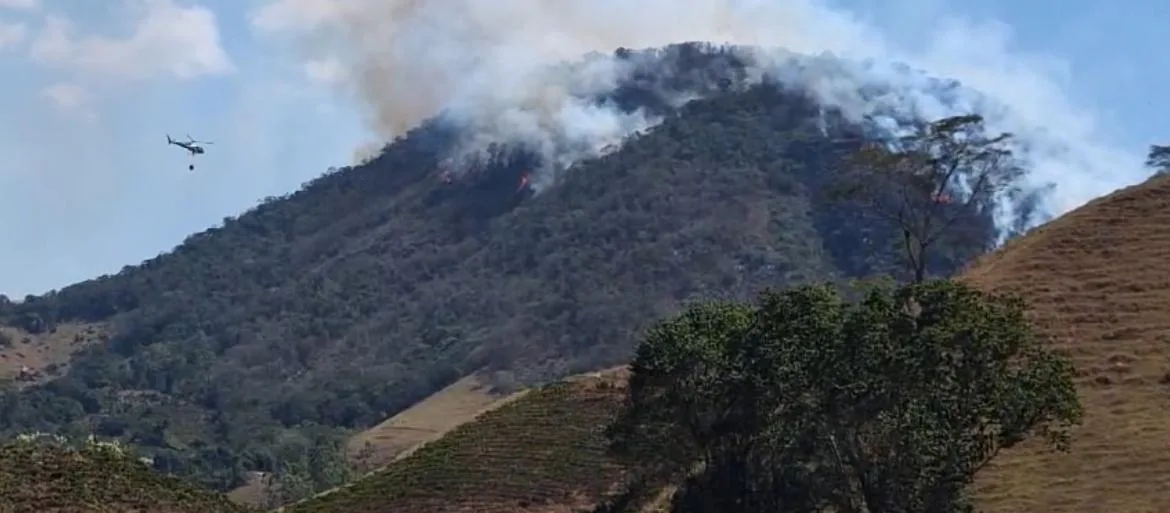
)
(46, 354)
(38, 479)
(254, 492)
(428, 420)
(544, 452)
(1098, 282)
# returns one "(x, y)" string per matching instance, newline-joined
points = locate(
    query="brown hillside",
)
(427, 420)
(1098, 282)
(27, 357)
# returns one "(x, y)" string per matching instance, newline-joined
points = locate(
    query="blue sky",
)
(88, 185)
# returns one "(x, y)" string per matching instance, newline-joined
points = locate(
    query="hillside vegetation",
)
(94, 478)
(547, 451)
(259, 344)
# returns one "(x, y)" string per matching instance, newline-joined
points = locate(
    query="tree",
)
(291, 483)
(925, 182)
(679, 401)
(811, 403)
(1158, 159)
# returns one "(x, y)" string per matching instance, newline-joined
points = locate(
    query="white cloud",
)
(52, 44)
(167, 40)
(72, 99)
(67, 95)
(23, 5)
(11, 34)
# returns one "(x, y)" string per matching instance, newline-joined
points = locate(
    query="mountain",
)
(1095, 283)
(259, 344)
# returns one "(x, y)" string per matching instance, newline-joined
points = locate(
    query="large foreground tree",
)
(808, 402)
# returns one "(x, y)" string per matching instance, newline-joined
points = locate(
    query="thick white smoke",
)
(493, 65)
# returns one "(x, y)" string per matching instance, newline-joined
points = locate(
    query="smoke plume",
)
(497, 68)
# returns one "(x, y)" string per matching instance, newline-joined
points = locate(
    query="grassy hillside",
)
(543, 452)
(264, 341)
(39, 478)
(1098, 283)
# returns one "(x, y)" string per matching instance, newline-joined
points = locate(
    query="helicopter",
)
(191, 145)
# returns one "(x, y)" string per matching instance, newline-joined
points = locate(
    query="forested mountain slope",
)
(254, 343)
